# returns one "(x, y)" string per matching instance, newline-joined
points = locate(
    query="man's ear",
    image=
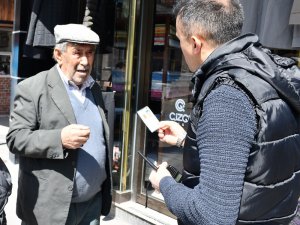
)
(58, 56)
(197, 43)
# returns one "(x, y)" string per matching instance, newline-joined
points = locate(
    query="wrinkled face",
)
(76, 62)
(187, 45)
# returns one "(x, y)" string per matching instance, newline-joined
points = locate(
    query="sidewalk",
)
(13, 168)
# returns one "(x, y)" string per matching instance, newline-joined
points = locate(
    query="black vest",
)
(272, 180)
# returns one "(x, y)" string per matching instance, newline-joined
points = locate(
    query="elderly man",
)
(59, 131)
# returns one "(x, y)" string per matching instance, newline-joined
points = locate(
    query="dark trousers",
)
(84, 213)
(3, 219)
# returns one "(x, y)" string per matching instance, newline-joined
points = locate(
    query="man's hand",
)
(74, 136)
(170, 131)
(156, 176)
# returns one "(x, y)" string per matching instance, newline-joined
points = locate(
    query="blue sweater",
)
(224, 136)
(90, 168)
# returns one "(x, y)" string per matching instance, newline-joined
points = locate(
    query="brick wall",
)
(4, 94)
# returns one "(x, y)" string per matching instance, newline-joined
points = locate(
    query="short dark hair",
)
(216, 21)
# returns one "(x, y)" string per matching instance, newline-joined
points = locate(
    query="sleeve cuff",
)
(165, 183)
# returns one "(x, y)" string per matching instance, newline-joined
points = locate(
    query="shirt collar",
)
(89, 82)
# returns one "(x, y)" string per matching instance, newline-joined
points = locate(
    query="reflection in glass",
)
(109, 68)
(169, 89)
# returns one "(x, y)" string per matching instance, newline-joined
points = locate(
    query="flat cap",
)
(77, 33)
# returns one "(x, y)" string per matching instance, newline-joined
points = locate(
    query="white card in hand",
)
(149, 118)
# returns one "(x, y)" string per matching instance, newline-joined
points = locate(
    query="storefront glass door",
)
(111, 69)
(169, 92)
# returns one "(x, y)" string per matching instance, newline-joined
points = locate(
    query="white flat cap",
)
(77, 33)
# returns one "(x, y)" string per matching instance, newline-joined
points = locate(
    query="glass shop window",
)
(109, 68)
(169, 91)
(5, 52)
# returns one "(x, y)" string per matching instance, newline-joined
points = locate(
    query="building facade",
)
(140, 63)
(6, 26)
